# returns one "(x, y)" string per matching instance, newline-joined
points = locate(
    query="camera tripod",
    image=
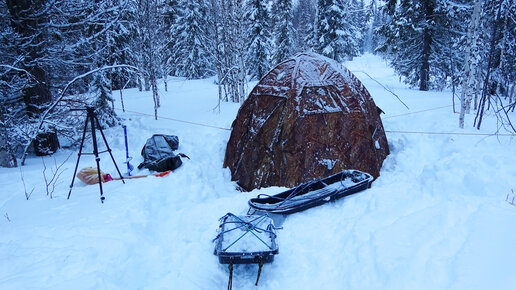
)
(92, 119)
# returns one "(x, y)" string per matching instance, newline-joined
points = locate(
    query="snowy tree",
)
(259, 43)
(508, 52)
(192, 57)
(108, 48)
(304, 14)
(149, 47)
(409, 39)
(504, 63)
(170, 10)
(493, 80)
(120, 39)
(50, 46)
(488, 72)
(283, 30)
(29, 21)
(229, 48)
(99, 88)
(357, 14)
(11, 84)
(373, 20)
(448, 43)
(335, 33)
(472, 66)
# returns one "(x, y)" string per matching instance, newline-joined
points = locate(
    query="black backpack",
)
(158, 153)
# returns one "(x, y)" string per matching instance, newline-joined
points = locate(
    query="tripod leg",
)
(109, 149)
(78, 156)
(91, 116)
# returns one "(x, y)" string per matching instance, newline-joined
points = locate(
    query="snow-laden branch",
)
(10, 67)
(106, 28)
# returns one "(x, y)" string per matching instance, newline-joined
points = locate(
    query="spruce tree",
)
(103, 98)
(283, 30)
(304, 14)
(229, 48)
(259, 42)
(357, 15)
(508, 53)
(409, 39)
(335, 34)
(192, 56)
(373, 20)
(168, 30)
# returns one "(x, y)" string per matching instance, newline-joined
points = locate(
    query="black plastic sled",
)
(246, 240)
(313, 193)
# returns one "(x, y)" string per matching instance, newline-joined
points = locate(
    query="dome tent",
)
(308, 118)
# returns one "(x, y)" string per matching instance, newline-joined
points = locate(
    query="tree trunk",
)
(485, 90)
(470, 66)
(165, 77)
(427, 46)
(7, 157)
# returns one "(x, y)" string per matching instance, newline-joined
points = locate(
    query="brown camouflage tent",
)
(307, 118)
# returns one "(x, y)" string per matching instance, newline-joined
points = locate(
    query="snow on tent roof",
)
(305, 69)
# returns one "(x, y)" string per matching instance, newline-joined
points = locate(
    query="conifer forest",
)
(62, 54)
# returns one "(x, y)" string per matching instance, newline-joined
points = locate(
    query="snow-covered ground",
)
(435, 219)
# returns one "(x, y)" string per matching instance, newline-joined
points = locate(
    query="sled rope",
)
(230, 281)
(387, 131)
(296, 191)
(250, 228)
(301, 187)
(260, 266)
(248, 224)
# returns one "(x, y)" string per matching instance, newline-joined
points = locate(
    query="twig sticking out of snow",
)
(27, 194)
(511, 202)
(56, 173)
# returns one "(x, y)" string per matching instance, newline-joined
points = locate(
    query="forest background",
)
(60, 54)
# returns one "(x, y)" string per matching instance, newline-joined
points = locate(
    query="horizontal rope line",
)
(387, 117)
(386, 131)
(450, 133)
(181, 121)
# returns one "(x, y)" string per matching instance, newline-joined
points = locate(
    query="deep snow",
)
(435, 219)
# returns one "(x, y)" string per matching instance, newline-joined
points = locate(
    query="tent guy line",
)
(177, 120)
(452, 133)
(386, 131)
(384, 87)
(416, 112)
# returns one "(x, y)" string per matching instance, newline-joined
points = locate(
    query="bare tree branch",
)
(60, 98)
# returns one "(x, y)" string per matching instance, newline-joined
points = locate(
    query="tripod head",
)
(89, 109)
